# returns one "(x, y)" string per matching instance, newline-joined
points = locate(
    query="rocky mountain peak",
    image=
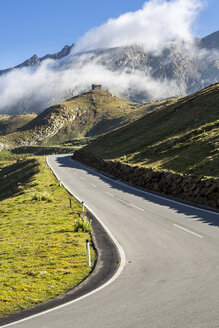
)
(34, 60)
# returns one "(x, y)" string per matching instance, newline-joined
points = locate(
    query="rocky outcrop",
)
(196, 189)
(47, 124)
(2, 146)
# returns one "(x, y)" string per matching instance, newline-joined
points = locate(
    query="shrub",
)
(83, 225)
(43, 197)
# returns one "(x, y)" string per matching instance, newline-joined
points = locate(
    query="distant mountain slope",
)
(210, 41)
(35, 60)
(87, 115)
(182, 137)
(9, 124)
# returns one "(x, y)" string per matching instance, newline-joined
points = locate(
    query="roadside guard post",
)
(82, 203)
(88, 252)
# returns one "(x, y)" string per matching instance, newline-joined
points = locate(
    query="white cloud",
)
(157, 22)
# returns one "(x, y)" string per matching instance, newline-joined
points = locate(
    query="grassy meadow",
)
(42, 243)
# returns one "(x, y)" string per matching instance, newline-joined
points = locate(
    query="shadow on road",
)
(196, 213)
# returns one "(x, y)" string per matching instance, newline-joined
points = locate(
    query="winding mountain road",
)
(171, 274)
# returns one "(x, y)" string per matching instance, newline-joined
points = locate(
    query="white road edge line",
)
(108, 193)
(184, 229)
(116, 275)
(93, 185)
(139, 208)
(144, 192)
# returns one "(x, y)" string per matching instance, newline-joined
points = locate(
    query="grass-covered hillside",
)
(183, 137)
(87, 115)
(10, 124)
(42, 239)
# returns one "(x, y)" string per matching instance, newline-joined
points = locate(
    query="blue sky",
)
(30, 27)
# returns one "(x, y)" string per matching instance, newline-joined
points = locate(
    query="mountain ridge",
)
(35, 60)
(210, 41)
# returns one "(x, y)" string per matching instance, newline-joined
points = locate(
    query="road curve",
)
(170, 279)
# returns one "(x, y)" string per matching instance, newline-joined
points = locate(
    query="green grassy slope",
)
(87, 115)
(183, 137)
(42, 253)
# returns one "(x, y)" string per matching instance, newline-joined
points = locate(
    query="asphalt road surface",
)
(171, 274)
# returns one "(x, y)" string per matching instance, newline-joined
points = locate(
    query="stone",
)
(192, 188)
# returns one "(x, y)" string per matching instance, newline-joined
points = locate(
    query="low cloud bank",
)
(49, 84)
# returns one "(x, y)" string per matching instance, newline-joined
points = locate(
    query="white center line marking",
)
(82, 178)
(93, 185)
(108, 193)
(184, 229)
(139, 208)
